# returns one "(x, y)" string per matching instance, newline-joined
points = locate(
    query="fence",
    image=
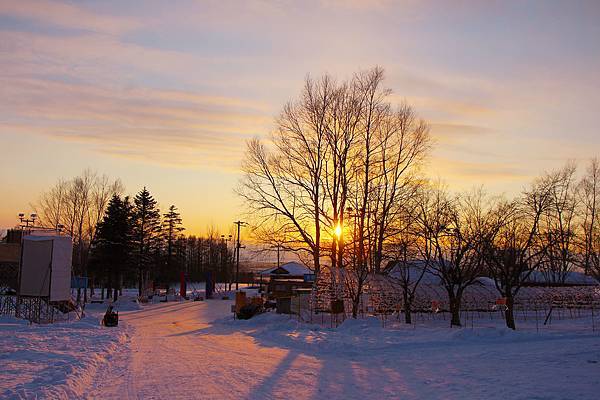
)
(383, 298)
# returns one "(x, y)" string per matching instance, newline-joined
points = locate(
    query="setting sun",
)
(338, 231)
(403, 197)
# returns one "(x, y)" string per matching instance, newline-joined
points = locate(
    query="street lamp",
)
(225, 240)
(237, 248)
(27, 221)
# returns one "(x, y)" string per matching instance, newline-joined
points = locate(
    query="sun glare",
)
(338, 231)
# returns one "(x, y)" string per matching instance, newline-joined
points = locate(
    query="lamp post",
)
(237, 248)
(26, 221)
(228, 272)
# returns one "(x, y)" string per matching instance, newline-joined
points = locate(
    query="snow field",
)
(196, 350)
(56, 361)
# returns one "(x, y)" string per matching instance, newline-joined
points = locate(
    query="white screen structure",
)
(36, 267)
(46, 267)
(60, 288)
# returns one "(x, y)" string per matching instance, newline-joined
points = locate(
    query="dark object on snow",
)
(337, 306)
(111, 318)
(65, 306)
(284, 305)
(249, 311)
(209, 286)
(270, 305)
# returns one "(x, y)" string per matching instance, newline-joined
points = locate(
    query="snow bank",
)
(53, 361)
(369, 335)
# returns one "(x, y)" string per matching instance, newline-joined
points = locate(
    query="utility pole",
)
(237, 251)
(278, 246)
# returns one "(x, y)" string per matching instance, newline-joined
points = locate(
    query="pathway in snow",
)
(173, 354)
(177, 352)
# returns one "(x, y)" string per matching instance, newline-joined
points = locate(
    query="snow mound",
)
(367, 334)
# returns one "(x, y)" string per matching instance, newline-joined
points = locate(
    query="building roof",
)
(291, 269)
(411, 270)
(571, 278)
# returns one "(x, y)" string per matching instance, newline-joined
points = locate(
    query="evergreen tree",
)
(146, 235)
(172, 228)
(111, 255)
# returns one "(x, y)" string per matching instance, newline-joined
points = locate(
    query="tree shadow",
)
(266, 388)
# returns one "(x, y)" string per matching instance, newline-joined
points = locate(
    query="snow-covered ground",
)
(54, 361)
(195, 350)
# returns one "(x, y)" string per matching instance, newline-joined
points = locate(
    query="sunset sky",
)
(165, 93)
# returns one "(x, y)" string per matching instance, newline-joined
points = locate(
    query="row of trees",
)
(551, 229)
(339, 181)
(119, 241)
(136, 243)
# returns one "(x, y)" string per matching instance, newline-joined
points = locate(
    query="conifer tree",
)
(146, 234)
(111, 255)
(172, 228)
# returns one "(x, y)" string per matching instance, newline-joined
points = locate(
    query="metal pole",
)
(237, 248)
(278, 247)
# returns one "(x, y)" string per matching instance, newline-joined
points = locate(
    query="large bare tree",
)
(340, 146)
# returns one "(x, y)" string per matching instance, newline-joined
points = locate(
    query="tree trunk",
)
(455, 310)
(355, 303)
(407, 308)
(509, 313)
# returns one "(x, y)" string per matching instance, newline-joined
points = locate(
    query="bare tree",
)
(590, 204)
(410, 249)
(340, 146)
(559, 223)
(518, 249)
(286, 183)
(458, 229)
(403, 143)
(78, 204)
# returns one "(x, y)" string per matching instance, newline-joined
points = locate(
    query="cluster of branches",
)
(338, 181)
(341, 152)
(76, 206)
